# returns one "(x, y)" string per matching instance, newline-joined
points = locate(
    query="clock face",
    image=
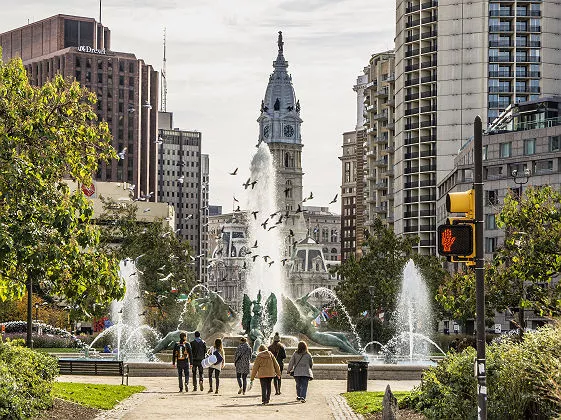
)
(288, 131)
(266, 131)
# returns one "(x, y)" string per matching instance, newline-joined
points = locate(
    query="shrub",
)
(26, 379)
(521, 381)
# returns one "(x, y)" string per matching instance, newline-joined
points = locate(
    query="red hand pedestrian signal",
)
(456, 240)
(447, 239)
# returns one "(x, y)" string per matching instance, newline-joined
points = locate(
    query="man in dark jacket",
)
(198, 347)
(183, 356)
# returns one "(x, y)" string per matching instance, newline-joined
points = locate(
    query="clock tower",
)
(279, 127)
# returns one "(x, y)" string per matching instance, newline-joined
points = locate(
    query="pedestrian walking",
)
(265, 367)
(241, 362)
(278, 350)
(198, 349)
(300, 366)
(183, 356)
(217, 351)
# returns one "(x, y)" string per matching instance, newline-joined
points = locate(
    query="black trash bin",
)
(357, 376)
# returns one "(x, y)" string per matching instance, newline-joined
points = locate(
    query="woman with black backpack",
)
(277, 348)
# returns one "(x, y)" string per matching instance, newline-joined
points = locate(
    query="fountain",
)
(132, 338)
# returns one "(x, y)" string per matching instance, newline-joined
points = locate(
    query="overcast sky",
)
(219, 58)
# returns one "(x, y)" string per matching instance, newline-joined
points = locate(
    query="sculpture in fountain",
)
(258, 324)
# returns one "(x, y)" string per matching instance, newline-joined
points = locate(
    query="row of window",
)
(180, 153)
(529, 147)
(87, 63)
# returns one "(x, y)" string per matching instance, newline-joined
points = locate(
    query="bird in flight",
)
(253, 184)
(280, 220)
(255, 245)
(255, 214)
(122, 153)
(235, 199)
(266, 257)
(264, 224)
(235, 172)
(271, 263)
(169, 276)
(284, 260)
(272, 227)
(291, 233)
(181, 179)
(237, 209)
(299, 210)
(254, 257)
(247, 183)
(244, 265)
(311, 196)
(159, 141)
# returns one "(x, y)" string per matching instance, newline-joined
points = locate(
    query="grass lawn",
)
(96, 396)
(364, 402)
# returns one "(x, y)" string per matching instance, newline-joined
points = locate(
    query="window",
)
(529, 146)
(505, 150)
(492, 197)
(543, 166)
(490, 245)
(554, 143)
(490, 222)
(484, 152)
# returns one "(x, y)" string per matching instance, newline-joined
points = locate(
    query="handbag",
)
(291, 373)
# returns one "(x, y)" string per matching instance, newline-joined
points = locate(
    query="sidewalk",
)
(162, 401)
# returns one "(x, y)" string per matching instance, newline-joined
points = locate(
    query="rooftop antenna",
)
(99, 11)
(164, 83)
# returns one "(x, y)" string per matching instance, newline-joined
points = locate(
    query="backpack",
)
(181, 352)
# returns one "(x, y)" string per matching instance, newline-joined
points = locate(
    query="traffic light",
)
(456, 238)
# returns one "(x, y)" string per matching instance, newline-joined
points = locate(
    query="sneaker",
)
(209, 391)
(201, 385)
(239, 391)
(216, 392)
(186, 388)
(298, 398)
(303, 400)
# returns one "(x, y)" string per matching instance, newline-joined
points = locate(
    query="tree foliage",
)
(521, 272)
(47, 134)
(161, 253)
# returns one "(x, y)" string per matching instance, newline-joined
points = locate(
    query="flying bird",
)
(311, 196)
(272, 227)
(266, 257)
(280, 220)
(165, 234)
(255, 245)
(284, 260)
(264, 224)
(181, 179)
(334, 199)
(254, 257)
(271, 263)
(235, 172)
(291, 233)
(299, 209)
(169, 276)
(159, 141)
(247, 183)
(255, 214)
(235, 199)
(253, 184)
(237, 209)
(131, 187)
(122, 153)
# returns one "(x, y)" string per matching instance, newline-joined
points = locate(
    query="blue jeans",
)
(302, 386)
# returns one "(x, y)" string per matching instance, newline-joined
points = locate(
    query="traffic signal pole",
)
(479, 271)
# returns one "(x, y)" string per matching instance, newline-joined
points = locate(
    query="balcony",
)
(411, 53)
(428, 93)
(428, 49)
(387, 150)
(429, 4)
(387, 172)
(411, 184)
(430, 123)
(426, 139)
(410, 228)
(429, 34)
(428, 19)
(380, 209)
(412, 38)
(426, 213)
(381, 139)
(427, 168)
(412, 96)
(427, 228)
(412, 170)
(382, 92)
(427, 79)
(427, 242)
(412, 23)
(412, 9)
(411, 111)
(412, 155)
(381, 162)
(381, 186)
(381, 116)
(412, 67)
(413, 199)
(411, 82)
(427, 198)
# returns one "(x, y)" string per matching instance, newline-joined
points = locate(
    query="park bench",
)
(94, 367)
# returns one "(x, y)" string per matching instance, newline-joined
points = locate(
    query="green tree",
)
(47, 134)
(161, 253)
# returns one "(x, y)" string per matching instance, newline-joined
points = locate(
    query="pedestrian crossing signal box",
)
(457, 241)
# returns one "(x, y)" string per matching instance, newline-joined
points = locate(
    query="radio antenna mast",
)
(164, 82)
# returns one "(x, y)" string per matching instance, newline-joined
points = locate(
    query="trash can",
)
(357, 376)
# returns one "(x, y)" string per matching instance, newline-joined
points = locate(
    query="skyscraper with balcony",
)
(490, 53)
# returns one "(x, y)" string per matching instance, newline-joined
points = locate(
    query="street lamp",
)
(521, 178)
(372, 290)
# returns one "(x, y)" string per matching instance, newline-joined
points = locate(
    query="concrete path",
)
(162, 401)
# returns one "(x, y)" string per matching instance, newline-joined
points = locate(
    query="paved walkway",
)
(162, 401)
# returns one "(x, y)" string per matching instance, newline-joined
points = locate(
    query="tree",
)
(162, 254)
(47, 134)
(521, 273)
(381, 267)
(524, 267)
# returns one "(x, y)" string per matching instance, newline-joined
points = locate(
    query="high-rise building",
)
(183, 183)
(490, 54)
(379, 111)
(126, 88)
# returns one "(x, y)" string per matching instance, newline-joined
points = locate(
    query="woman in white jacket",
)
(218, 351)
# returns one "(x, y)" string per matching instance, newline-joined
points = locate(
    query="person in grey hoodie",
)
(300, 366)
(241, 362)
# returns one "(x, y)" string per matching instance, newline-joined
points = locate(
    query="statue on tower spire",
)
(280, 42)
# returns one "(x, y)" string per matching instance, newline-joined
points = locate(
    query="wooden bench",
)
(94, 367)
